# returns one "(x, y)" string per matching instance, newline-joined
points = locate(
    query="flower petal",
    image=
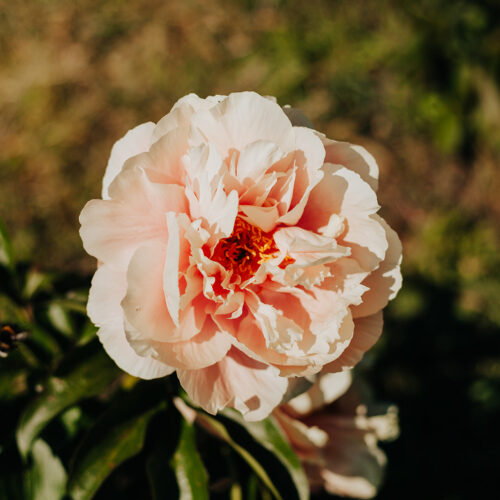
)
(343, 192)
(309, 157)
(354, 157)
(113, 229)
(308, 248)
(144, 304)
(251, 387)
(367, 331)
(328, 388)
(263, 217)
(204, 349)
(243, 118)
(256, 158)
(383, 283)
(135, 141)
(107, 290)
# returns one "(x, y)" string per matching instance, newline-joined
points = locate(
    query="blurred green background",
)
(416, 83)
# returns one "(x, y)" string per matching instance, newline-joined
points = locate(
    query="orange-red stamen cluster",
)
(245, 250)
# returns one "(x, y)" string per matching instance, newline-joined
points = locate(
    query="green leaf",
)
(192, 478)
(47, 476)
(218, 429)
(34, 282)
(268, 434)
(88, 378)
(60, 319)
(87, 333)
(6, 253)
(122, 441)
(117, 436)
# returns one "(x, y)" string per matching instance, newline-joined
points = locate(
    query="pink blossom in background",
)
(238, 249)
(336, 436)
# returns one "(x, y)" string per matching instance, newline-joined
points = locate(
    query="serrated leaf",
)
(47, 476)
(267, 434)
(88, 378)
(192, 478)
(218, 429)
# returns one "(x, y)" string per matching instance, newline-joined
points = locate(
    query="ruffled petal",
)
(384, 283)
(367, 331)
(181, 113)
(238, 381)
(204, 349)
(256, 158)
(241, 119)
(307, 248)
(343, 192)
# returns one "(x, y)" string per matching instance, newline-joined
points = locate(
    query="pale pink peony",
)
(336, 436)
(238, 250)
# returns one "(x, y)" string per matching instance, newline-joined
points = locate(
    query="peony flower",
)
(335, 436)
(239, 250)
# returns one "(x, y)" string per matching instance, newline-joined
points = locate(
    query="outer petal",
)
(383, 283)
(343, 192)
(253, 388)
(135, 141)
(107, 290)
(243, 118)
(355, 158)
(367, 331)
(182, 111)
(327, 330)
(113, 229)
(204, 349)
(163, 161)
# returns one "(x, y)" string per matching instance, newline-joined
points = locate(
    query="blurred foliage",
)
(414, 82)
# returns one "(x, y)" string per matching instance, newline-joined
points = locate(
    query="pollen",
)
(245, 250)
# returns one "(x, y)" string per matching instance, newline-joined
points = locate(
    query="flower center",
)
(245, 250)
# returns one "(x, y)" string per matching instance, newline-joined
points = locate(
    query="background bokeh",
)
(416, 83)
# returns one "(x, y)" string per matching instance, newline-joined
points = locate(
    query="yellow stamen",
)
(245, 250)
